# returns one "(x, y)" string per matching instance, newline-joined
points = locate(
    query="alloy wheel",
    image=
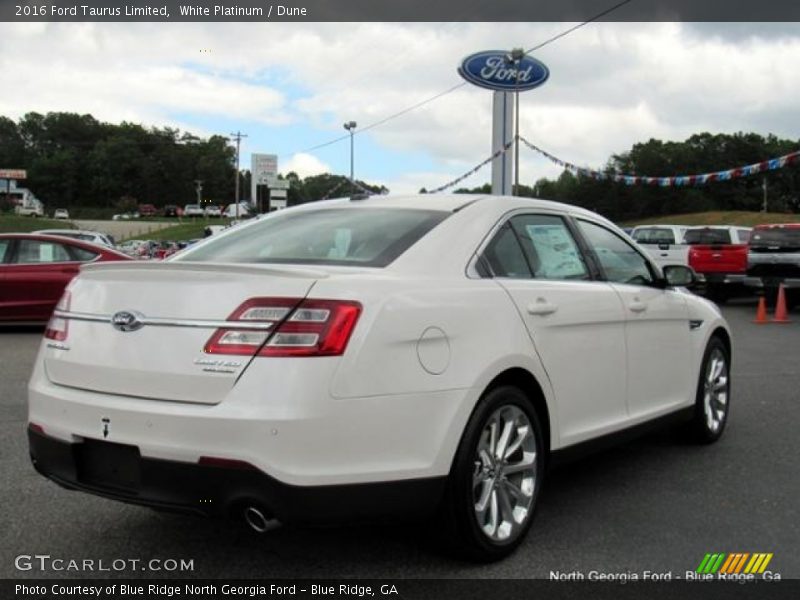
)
(504, 476)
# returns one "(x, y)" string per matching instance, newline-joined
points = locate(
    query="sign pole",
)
(502, 125)
(507, 74)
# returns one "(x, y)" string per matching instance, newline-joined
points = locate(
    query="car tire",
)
(492, 494)
(712, 402)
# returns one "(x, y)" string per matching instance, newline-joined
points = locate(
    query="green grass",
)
(732, 217)
(184, 231)
(15, 224)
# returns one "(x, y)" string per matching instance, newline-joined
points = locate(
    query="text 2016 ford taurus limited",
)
(353, 358)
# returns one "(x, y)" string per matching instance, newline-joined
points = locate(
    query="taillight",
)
(57, 328)
(296, 327)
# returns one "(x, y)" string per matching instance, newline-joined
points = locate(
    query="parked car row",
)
(730, 259)
(151, 249)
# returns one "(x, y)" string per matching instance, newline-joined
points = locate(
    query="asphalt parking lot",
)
(657, 504)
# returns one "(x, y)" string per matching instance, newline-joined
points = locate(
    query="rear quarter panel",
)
(419, 338)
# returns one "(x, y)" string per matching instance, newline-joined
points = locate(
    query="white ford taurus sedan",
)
(353, 358)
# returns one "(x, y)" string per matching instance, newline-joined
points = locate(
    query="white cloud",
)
(611, 84)
(304, 165)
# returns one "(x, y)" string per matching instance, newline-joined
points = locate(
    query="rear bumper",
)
(721, 278)
(217, 491)
(772, 281)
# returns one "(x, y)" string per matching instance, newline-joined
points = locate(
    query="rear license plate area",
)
(108, 465)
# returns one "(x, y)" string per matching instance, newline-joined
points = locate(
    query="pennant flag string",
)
(673, 181)
(473, 170)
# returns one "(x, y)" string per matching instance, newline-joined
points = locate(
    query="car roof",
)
(55, 238)
(778, 226)
(695, 227)
(449, 202)
(70, 231)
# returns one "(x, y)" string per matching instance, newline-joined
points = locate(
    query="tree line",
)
(79, 163)
(75, 161)
(93, 168)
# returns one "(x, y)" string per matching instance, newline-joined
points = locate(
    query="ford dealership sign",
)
(492, 70)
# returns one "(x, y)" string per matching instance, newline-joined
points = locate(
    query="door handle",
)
(541, 307)
(637, 306)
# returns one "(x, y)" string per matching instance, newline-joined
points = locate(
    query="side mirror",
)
(679, 276)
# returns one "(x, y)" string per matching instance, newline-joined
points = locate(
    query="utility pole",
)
(764, 188)
(238, 137)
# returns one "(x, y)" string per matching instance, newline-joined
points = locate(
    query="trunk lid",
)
(181, 304)
(729, 258)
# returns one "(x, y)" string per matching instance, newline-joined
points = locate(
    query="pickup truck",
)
(774, 259)
(719, 257)
(664, 243)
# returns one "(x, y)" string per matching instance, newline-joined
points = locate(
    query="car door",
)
(576, 323)
(657, 332)
(6, 245)
(36, 277)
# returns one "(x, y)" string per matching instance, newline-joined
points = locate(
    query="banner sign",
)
(771, 164)
(13, 174)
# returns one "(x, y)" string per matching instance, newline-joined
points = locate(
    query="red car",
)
(147, 210)
(35, 269)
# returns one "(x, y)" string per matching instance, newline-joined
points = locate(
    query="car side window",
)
(36, 252)
(549, 247)
(744, 235)
(619, 259)
(4, 246)
(82, 254)
(504, 255)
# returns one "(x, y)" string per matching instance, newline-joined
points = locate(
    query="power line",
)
(459, 85)
(578, 26)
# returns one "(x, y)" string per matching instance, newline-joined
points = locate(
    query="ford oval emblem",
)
(127, 320)
(492, 70)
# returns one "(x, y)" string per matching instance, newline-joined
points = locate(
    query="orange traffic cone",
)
(781, 314)
(761, 313)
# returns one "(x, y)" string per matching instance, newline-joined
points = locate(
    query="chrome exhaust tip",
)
(258, 521)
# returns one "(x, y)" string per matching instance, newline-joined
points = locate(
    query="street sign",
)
(13, 174)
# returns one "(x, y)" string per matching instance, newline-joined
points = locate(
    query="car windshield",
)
(785, 237)
(653, 235)
(361, 236)
(708, 236)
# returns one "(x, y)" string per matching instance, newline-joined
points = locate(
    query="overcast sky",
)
(291, 86)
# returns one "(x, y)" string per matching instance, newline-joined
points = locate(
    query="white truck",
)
(27, 205)
(664, 243)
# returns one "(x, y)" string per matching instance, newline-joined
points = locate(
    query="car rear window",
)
(707, 236)
(788, 237)
(653, 235)
(372, 237)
